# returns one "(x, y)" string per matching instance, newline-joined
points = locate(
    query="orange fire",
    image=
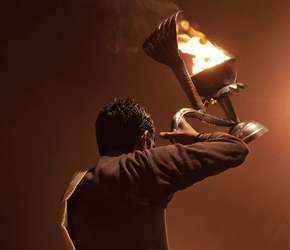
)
(204, 54)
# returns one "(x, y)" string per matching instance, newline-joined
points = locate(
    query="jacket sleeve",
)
(177, 166)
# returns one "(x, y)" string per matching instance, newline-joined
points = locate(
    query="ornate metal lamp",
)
(215, 83)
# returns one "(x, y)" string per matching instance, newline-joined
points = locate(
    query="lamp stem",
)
(226, 104)
(185, 81)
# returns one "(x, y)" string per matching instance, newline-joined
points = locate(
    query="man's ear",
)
(147, 139)
(143, 143)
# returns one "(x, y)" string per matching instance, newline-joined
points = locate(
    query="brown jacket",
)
(119, 204)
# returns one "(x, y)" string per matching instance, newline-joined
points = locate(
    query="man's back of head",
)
(120, 125)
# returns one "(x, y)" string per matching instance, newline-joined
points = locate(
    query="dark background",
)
(59, 66)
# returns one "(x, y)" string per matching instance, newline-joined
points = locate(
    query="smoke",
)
(128, 22)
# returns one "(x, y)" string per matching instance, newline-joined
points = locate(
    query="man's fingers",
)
(167, 135)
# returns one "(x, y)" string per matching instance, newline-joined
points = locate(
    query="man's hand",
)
(184, 134)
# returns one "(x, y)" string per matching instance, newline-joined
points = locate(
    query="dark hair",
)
(120, 123)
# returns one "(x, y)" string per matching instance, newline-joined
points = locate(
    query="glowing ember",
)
(204, 53)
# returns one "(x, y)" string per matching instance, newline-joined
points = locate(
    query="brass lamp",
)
(215, 83)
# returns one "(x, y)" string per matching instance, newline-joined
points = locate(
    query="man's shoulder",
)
(77, 177)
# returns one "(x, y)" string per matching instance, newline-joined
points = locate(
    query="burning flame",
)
(204, 54)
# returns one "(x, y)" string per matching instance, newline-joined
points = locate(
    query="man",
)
(120, 203)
